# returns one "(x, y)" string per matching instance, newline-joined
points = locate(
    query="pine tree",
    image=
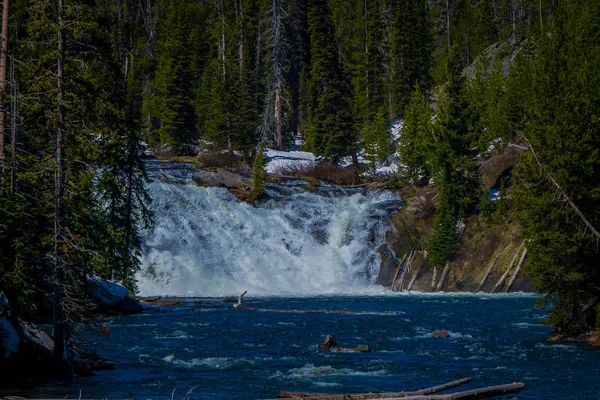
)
(329, 129)
(416, 141)
(562, 130)
(259, 175)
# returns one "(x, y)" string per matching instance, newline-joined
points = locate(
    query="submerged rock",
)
(441, 334)
(330, 344)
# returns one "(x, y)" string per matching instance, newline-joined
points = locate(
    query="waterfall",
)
(207, 243)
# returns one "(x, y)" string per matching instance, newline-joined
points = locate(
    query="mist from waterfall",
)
(207, 243)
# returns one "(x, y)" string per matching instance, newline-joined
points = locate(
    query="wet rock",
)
(388, 265)
(129, 306)
(441, 334)
(222, 178)
(95, 362)
(362, 348)
(230, 300)
(330, 344)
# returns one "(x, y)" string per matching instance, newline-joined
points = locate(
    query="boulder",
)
(36, 338)
(113, 297)
(9, 338)
(222, 178)
(441, 333)
(106, 292)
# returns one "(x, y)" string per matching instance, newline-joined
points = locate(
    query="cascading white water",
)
(207, 243)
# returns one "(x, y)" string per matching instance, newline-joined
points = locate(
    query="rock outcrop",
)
(222, 178)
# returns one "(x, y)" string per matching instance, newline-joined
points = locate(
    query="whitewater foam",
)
(206, 242)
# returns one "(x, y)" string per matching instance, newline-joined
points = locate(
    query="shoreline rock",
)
(113, 298)
(591, 338)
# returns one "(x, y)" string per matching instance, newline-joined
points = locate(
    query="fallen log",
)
(487, 273)
(514, 277)
(407, 269)
(365, 396)
(433, 279)
(503, 277)
(443, 277)
(241, 307)
(414, 278)
(296, 310)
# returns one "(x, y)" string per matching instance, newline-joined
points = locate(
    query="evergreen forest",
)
(87, 85)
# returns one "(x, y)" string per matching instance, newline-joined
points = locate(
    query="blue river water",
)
(217, 352)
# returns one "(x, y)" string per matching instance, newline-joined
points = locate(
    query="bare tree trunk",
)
(3, 57)
(503, 277)
(278, 55)
(487, 273)
(541, 21)
(516, 273)
(60, 325)
(443, 277)
(448, 24)
(433, 278)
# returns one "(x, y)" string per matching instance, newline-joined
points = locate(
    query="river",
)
(217, 352)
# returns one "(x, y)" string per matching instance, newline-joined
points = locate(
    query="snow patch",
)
(282, 160)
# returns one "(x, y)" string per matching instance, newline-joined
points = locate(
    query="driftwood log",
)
(364, 396)
(425, 394)
(241, 307)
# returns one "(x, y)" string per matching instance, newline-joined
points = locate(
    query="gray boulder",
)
(9, 338)
(113, 297)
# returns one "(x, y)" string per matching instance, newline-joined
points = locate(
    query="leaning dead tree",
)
(563, 194)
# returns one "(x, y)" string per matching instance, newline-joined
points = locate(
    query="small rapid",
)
(207, 243)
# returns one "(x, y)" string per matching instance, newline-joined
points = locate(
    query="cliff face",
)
(484, 240)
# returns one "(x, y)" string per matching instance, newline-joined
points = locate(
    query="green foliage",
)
(443, 239)
(259, 175)
(376, 138)
(416, 138)
(562, 128)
